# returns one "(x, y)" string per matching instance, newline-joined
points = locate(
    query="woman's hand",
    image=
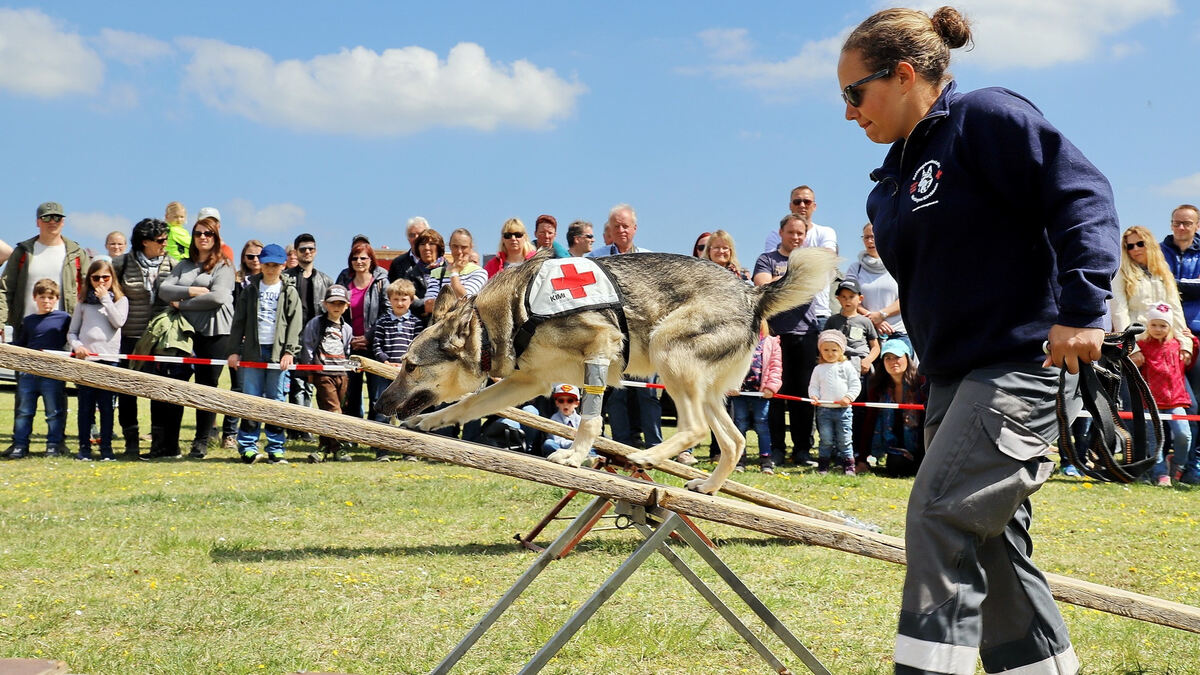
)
(175, 304)
(1068, 346)
(195, 291)
(233, 361)
(358, 342)
(865, 366)
(846, 401)
(80, 352)
(1138, 358)
(285, 362)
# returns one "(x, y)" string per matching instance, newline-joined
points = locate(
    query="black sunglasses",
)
(208, 234)
(1136, 244)
(160, 240)
(851, 95)
(307, 249)
(251, 256)
(51, 219)
(798, 202)
(513, 235)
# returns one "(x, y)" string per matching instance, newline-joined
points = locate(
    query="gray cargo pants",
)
(971, 591)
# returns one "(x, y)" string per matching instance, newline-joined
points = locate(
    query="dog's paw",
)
(421, 422)
(702, 485)
(642, 458)
(566, 457)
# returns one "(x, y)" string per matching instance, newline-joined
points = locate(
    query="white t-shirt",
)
(268, 309)
(45, 263)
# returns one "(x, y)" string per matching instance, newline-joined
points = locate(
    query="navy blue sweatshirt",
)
(44, 331)
(995, 227)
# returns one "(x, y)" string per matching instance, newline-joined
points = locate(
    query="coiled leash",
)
(1114, 451)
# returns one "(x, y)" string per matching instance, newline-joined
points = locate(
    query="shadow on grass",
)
(610, 546)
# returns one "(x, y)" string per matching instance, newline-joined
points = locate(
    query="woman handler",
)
(971, 591)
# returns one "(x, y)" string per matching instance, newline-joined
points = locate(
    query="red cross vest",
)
(565, 286)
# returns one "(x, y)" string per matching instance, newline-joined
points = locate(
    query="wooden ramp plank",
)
(32, 667)
(519, 465)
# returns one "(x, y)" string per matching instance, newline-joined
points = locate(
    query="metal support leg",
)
(606, 591)
(543, 560)
(714, 561)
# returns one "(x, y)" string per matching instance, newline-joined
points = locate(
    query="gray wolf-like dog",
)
(688, 320)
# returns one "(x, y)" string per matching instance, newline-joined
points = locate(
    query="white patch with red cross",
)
(569, 285)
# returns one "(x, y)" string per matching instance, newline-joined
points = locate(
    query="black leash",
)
(1115, 451)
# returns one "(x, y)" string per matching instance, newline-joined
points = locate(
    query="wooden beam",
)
(611, 448)
(519, 465)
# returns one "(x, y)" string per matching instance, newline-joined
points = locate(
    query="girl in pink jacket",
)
(766, 376)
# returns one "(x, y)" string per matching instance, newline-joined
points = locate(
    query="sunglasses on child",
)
(101, 277)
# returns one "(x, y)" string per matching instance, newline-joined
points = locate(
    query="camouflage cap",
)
(50, 209)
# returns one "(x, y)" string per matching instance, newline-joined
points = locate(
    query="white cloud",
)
(727, 44)
(93, 225)
(362, 92)
(38, 57)
(271, 218)
(1013, 33)
(1037, 33)
(130, 48)
(1186, 187)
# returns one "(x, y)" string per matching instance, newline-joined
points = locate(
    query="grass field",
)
(364, 567)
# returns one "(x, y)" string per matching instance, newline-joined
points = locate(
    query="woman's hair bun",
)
(952, 26)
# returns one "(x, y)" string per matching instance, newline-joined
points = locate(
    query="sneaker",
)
(1071, 470)
(276, 459)
(316, 457)
(83, 458)
(849, 471)
(1189, 478)
(17, 452)
(57, 450)
(411, 458)
(1163, 481)
(197, 453)
(686, 458)
(251, 457)
(343, 456)
(739, 468)
(307, 437)
(229, 442)
(768, 470)
(767, 464)
(382, 455)
(108, 459)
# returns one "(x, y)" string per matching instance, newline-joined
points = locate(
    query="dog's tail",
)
(809, 271)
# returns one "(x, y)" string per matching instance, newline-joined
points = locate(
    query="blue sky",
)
(353, 117)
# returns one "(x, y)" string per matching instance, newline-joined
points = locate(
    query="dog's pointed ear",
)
(459, 324)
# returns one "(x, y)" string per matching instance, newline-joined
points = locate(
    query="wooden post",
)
(520, 465)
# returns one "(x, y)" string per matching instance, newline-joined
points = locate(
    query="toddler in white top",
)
(835, 383)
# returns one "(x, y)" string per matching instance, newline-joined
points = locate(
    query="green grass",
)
(365, 567)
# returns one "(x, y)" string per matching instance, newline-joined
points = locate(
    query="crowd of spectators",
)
(172, 289)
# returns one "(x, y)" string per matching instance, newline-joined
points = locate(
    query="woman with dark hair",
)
(895, 438)
(366, 282)
(139, 274)
(201, 287)
(1037, 306)
(701, 246)
(431, 251)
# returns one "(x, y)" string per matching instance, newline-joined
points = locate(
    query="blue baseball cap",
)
(895, 348)
(273, 253)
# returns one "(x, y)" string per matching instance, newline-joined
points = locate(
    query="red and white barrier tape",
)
(195, 361)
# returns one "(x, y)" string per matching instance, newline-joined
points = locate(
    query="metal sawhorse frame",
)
(656, 525)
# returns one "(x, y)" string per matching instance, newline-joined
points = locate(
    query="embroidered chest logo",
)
(925, 183)
(573, 281)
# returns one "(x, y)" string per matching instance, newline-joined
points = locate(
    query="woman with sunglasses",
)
(971, 591)
(139, 273)
(201, 287)
(366, 283)
(1145, 281)
(515, 247)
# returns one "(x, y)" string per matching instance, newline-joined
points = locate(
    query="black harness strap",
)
(1114, 451)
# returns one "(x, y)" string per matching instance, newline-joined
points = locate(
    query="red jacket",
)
(1163, 371)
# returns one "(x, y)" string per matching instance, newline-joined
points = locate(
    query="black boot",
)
(133, 442)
